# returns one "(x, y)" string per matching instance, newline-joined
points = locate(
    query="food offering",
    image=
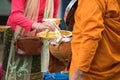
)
(54, 34)
(66, 33)
(56, 20)
(48, 34)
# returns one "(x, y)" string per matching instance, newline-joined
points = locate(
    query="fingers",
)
(50, 25)
(44, 27)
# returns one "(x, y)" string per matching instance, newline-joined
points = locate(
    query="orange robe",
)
(96, 40)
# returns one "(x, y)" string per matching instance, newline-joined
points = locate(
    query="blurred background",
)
(4, 13)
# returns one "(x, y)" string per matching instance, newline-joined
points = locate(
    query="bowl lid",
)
(69, 14)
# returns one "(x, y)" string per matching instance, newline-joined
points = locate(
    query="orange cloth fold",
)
(96, 39)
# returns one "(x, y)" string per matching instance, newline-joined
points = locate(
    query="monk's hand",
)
(78, 75)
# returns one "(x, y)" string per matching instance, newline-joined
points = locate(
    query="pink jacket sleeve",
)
(16, 17)
(56, 7)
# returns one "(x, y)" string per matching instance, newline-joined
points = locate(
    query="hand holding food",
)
(50, 25)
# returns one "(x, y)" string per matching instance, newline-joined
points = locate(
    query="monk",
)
(96, 41)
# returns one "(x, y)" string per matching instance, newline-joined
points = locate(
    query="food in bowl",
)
(48, 34)
(66, 33)
(54, 34)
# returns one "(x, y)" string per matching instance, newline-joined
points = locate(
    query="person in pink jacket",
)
(17, 14)
(28, 14)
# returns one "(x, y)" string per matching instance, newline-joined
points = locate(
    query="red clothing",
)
(17, 18)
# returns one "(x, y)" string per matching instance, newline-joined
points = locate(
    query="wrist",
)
(36, 26)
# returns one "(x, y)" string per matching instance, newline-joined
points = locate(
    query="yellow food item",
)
(48, 34)
(56, 20)
(66, 33)
(53, 34)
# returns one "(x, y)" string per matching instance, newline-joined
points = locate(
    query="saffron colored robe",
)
(96, 40)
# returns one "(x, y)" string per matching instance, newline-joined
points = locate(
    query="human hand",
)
(50, 25)
(78, 75)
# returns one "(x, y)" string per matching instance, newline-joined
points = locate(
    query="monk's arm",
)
(91, 24)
